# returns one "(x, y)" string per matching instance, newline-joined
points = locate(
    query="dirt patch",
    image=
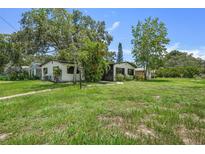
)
(4, 136)
(126, 128)
(193, 116)
(184, 135)
(113, 121)
(149, 117)
(157, 97)
(60, 128)
(131, 135)
(141, 130)
(146, 131)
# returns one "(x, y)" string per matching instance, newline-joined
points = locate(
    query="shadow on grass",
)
(158, 80)
(48, 86)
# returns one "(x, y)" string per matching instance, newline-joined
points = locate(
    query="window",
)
(130, 72)
(45, 70)
(70, 70)
(120, 70)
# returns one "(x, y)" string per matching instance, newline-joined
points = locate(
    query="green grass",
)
(8, 88)
(162, 111)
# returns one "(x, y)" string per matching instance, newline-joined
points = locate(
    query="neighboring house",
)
(25, 68)
(35, 70)
(67, 69)
(139, 73)
(124, 68)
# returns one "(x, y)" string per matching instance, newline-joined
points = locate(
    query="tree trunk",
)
(75, 73)
(147, 73)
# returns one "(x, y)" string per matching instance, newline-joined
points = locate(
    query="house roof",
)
(132, 64)
(60, 61)
(139, 69)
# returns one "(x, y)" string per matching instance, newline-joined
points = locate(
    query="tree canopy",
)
(149, 43)
(69, 35)
(120, 53)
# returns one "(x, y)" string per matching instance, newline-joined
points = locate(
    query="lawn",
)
(161, 111)
(8, 88)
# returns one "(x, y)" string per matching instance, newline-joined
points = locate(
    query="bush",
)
(21, 75)
(3, 77)
(129, 78)
(120, 77)
(186, 72)
(140, 78)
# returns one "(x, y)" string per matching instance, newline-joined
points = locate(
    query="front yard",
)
(8, 88)
(162, 111)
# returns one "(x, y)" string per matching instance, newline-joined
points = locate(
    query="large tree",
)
(149, 43)
(180, 59)
(120, 53)
(65, 33)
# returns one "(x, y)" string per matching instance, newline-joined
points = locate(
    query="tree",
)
(149, 43)
(176, 58)
(120, 53)
(66, 33)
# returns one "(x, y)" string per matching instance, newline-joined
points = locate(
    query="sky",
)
(186, 27)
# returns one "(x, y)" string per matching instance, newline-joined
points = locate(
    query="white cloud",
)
(175, 46)
(114, 26)
(198, 53)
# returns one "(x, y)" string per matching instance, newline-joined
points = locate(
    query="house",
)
(67, 69)
(125, 68)
(139, 73)
(35, 70)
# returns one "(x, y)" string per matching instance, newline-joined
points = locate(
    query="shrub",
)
(140, 78)
(57, 73)
(186, 71)
(3, 77)
(120, 77)
(21, 75)
(129, 77)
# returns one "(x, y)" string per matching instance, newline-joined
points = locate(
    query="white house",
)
(124, 68)
(67, 70)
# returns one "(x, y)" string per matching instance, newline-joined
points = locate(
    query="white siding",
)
(63, 66)
(126, 66)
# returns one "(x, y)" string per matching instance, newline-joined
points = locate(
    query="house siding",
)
(126, 66)
(63, 66)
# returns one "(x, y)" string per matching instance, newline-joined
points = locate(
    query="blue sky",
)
(186, 27)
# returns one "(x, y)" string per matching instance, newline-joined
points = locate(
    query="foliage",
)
(140, 78)
(128, 77)
(150, 40)
(120, 53)
(92, 60)
(176, 58)
(181, 64)
(18, 75)
(3, 78)
(67, 33)
(57, 73)
(181, 71)
(120, 77)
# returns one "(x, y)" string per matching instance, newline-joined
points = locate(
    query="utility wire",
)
(10, 25)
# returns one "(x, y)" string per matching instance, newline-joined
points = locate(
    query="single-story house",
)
(67, 71)
(124, 68)
(35, 70)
